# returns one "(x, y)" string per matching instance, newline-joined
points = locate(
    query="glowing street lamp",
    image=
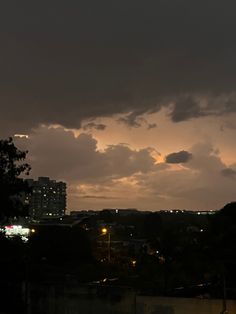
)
(133, 262)
(104, 232)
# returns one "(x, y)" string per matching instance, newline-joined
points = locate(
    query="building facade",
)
(47, 198)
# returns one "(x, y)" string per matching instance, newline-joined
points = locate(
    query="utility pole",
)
(109, 247)
(224, 305)
(107, 231)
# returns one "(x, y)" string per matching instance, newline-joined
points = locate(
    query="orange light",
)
(104, 230)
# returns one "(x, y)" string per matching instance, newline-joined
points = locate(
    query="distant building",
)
(47, 198)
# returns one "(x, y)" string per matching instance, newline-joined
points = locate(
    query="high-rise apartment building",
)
(47, 198)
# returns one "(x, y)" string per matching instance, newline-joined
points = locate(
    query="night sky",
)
(132, 103)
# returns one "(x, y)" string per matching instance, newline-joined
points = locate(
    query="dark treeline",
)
(177, 254)
(182, 254)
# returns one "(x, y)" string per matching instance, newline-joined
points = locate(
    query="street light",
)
(104, 232)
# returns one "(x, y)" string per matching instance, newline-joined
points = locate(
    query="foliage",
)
(12, 187)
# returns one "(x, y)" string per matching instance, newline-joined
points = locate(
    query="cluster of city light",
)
(17, 230)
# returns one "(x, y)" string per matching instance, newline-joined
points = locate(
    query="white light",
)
(21, 135)
(15, 230)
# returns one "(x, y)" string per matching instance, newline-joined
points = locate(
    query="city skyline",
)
(132, 104)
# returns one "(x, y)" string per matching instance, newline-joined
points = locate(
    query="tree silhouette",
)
(12, 187)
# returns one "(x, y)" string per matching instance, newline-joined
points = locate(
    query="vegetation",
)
(12, 186)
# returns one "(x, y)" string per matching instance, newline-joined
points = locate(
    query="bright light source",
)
(33, 230)
(21, 135)
(16, 230)
(104, 230)
(133, 262)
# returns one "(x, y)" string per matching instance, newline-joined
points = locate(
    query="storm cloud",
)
(93, 125)
(229, 173)
(65, 63)
(177, 158)
(58, 153)
(199, 185)
(121, 176)
(80, 77)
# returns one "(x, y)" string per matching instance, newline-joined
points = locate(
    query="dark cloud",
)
(177, 158)
(96, 126)
(186, 108)
(135, 120)
(151, 126)
(62, 63)
(229, 173)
